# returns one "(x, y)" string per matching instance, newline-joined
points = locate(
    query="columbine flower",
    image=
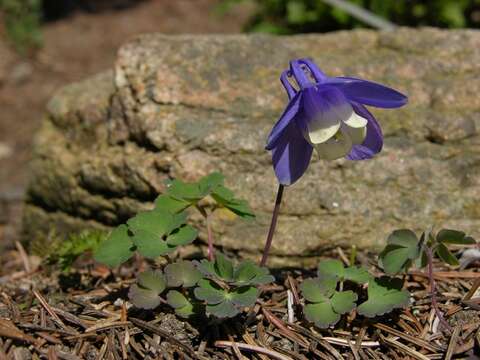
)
(327, 114)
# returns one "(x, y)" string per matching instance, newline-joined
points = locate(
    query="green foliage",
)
(146, 292)
(182, 273)
(151, 233)
(180, 195)
(69, 250)
(384, 295)
(226, 288)
(22, 23)
(404, 248)
(183, 307)
(325, 303)
(301, 16)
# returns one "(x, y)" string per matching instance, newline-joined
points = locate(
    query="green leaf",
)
(330, 268)
(403, 247)
(156, 222)
(343, 302)
(184, 191)
(182, 236)
(240, 208)
(222, 195)
(149, 244)
(244, 296)
(384, 295)
(210, 292)
(318, 290)
(206, 267)
(143, 298)
(116, 249)
(210, 182)
(422, 260)
(223, 310)
(152, 280)
(176, 299)
(448, 236)
(167, 203)
(321, 314)
(182, 306)
(248, 273)
(356, 274)
(182, 273)
(223, 267)
(445, 254)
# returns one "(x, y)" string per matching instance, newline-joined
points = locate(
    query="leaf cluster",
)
(325, 303)
(404, 249)
(216, 288)
(181, 195)
(160, 231)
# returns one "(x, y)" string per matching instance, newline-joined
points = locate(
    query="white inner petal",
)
(336, 147)
(327, 123)
(357, 135)
(354, 120)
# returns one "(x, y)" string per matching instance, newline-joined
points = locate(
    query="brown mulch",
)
(85, 315)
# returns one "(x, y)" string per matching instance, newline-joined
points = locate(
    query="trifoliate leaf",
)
(117, 248)
(357, 274)
(182, 273)
(330, 268)
(222, 310)
(210, 292)
(445, 254)
(167, 203)
(244, 296)
(143, 298)
(152, 280)
(248, 273)
(384, 295)
(182, 236)
(318, 290)
(343, 302)
(403, 247)
(321, 314)
(448, 236)
(223, 267)
(150, 245)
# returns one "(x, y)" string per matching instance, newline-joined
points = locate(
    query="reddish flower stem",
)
(433, 290)
(273, 225)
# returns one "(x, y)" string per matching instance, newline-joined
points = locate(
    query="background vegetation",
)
(303, 16)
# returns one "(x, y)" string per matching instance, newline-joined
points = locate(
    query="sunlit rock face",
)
(184, 106)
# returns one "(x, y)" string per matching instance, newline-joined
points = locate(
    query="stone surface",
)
(186, 105)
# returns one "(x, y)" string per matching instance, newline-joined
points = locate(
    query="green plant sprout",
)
(325, 304)
(405, 249)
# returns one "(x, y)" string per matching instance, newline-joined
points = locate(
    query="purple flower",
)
(327, 114)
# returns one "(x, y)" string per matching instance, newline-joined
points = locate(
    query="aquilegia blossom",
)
(328, 114)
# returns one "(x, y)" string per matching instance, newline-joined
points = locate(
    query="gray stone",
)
(183, 106)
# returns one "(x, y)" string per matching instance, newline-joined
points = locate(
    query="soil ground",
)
(76, 47)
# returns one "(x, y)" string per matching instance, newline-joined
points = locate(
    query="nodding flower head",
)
(328, 114)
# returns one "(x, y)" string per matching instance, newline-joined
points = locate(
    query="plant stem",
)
(433, 289)
(273, 225)
(211, 250)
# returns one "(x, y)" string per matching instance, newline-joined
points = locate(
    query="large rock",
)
(184, 106)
